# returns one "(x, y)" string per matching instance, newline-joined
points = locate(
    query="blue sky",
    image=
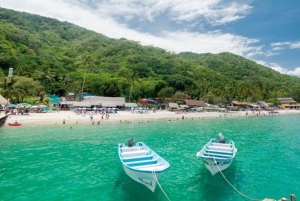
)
(265, 31)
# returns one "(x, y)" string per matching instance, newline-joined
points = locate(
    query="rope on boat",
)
(232, 185)
(155, 177)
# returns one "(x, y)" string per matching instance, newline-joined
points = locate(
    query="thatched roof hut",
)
(194, 103)
(263, 104)
(130, 105)
(81, 104)
(287, 101)
(106, 101)
(236, 103)
(173, 106)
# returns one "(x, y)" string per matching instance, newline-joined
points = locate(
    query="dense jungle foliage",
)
(58, 57)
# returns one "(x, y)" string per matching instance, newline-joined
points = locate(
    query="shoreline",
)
(72, 118)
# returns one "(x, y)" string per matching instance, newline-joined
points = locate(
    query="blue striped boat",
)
(217, 155)
(142, 164)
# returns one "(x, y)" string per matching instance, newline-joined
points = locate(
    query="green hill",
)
(55, 57)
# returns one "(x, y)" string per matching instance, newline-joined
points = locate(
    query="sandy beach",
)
(71, 117)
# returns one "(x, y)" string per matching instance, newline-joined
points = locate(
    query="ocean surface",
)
(39, 162)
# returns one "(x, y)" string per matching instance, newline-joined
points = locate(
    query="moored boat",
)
(14, 124)
(217, 155)
(3, 120)
(142, 164)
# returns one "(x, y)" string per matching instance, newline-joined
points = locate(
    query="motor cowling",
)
(222, 139)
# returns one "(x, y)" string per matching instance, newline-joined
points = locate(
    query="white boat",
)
(142, 164)
(217, 155)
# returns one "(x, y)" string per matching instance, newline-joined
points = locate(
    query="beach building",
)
(130, 106)
(184, 107)
(194, 103)
(82, 105)
(172, 106)
(288, 103)
(99, 102)
(240, 105)
(147, 101)
(263, 105)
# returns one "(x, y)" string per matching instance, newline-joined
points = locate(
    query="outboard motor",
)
(222, 139)
(130, 142)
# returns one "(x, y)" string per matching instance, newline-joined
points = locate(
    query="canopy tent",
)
(11, 106)
(24, 105)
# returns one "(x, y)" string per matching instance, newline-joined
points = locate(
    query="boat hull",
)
(145, 178)
(142, 164)
(14, 124)
(215, 167)
(217, 156)
(3, 120)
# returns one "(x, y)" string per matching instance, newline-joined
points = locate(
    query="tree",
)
(133, 78)
(10, 92)
(87, 59)
(166, 92)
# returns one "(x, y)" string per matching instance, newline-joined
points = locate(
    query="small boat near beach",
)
(14, 124)
(3, 120)
(142, 164)
(217, 155)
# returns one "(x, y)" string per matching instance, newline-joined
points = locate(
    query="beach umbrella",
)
(23, 105)
(11, 106)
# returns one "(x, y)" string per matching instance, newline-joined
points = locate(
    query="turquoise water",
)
(59, 163)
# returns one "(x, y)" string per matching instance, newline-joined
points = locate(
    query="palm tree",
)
(45, 74)
(133, 77)
(10, 92)
(85, 60)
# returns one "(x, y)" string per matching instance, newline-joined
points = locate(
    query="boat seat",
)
(149, 166)
(137, 158)
(220, 148)
(218, 151)
(142, 163)
(221, 144)
(216, 158)
(217, 155)
(129, 149)
(134, 153)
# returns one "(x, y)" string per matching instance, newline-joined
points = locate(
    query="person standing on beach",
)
(64, 121)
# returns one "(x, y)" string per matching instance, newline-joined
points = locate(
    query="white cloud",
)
(100, 20)
(280, 69)
(288, 44)
(295, 45)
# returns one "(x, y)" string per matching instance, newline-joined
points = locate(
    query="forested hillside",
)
(55, 57)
